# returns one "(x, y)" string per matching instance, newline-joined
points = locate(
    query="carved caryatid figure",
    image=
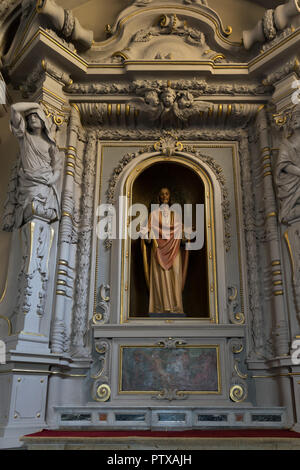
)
(287, 180)
(287, 172)
(168, 267)
(32, 190)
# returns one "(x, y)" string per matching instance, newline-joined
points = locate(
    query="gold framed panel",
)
(212, 287)
(178, 391)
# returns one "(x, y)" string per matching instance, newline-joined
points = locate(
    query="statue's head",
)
(164, 196)
(168, 97)
(185, 99)
(151, 98)
(37, 119)
(34, 122)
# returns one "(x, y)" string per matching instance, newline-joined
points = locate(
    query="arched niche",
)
(193, 181)
(187, 187)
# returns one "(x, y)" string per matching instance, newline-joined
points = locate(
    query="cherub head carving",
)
(151, 98)
(168, 97)
(185, 99)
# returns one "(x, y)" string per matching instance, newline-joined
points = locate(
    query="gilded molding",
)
(4, 291)
(278, 292)
(3, 317)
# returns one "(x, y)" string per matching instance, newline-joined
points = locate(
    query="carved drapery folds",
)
(33, 204)
(287, 186)
(33, 188)
(36, 238)
(287, 172)
(292, 239)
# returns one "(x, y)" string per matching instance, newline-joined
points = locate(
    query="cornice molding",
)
(46, 42)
